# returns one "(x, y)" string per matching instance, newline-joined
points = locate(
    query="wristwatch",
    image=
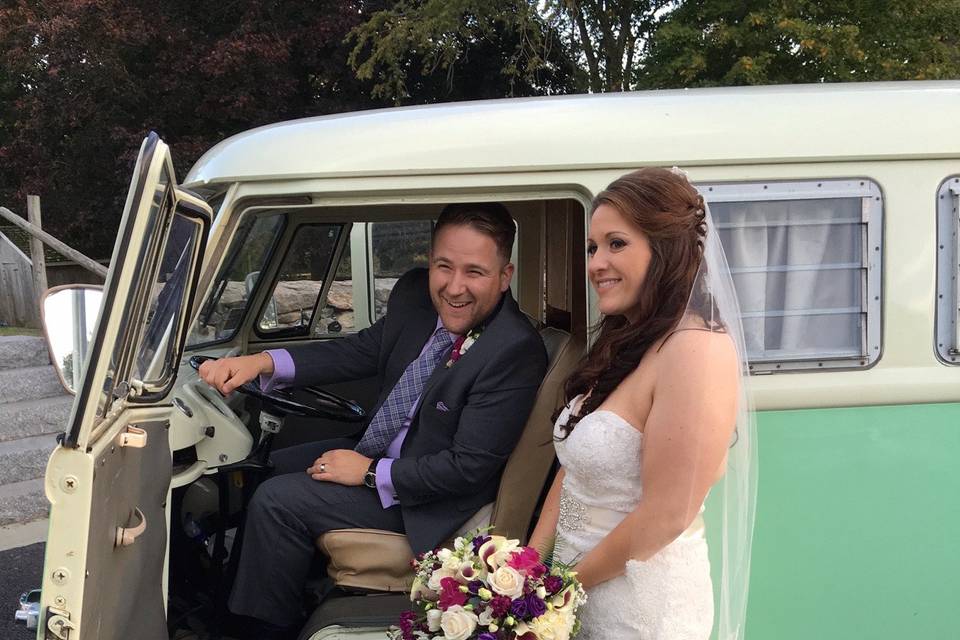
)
(370, 477)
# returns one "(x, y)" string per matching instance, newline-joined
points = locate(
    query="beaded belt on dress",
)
(574, 516)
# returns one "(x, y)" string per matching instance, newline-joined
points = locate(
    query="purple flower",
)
(519, 608)
(474, 586)
(486, 635)
(478, 542)
(535, 606)
(553, 584)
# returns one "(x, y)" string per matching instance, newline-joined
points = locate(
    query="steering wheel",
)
(311, 402)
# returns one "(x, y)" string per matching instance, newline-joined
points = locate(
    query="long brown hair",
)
(670, 213)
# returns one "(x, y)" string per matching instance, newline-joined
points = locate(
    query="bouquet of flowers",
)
(490, 588)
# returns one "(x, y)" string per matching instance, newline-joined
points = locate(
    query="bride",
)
(656, 416)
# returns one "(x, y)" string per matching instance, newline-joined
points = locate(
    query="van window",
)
(224, 308)
(301, 280)
(805, 258)
(396, 247)
(153, 362)
(948, 259)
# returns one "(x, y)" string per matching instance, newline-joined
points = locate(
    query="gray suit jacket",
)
(451, 459)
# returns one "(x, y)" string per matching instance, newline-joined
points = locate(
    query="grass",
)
(19, 331)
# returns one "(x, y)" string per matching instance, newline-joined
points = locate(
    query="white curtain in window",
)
(798, 268)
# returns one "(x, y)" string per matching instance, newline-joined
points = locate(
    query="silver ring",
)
(323, 467)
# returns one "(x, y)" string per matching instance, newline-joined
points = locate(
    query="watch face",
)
(370, 479)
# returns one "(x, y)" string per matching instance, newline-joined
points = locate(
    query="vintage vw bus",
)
(838, 209)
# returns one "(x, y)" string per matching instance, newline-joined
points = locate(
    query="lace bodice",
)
(602, 460)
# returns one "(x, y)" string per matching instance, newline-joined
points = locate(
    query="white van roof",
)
(744, 125)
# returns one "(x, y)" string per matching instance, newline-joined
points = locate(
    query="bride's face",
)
(618, 255)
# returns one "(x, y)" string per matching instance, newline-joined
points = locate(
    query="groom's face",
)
(467, 276)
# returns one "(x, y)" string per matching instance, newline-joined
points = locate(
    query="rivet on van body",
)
(69, 484)
(60, 576)
(223, 457)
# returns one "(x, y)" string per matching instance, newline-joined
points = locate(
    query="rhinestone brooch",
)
(573, 513)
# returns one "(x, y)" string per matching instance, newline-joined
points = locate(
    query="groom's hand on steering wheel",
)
(226, 374)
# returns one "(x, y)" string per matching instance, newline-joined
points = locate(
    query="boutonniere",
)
(462, 344)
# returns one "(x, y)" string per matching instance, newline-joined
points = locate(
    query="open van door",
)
(109, 480)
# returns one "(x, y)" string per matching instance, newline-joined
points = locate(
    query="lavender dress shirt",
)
(284, 372)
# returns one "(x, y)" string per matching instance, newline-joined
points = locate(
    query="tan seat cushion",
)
(368, 559)
(377, 560)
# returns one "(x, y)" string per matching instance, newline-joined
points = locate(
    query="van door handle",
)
(126, 536)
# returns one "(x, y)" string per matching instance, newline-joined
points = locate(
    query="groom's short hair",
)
(489, 218)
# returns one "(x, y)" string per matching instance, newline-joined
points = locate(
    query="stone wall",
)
(293, 303)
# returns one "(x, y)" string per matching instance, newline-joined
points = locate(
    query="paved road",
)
(20, 570)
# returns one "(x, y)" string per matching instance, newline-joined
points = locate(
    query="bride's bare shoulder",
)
(691, 351)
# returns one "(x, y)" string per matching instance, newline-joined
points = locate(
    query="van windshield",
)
(226, 304)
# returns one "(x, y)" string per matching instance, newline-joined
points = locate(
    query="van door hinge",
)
(58, 624)
(133, 437)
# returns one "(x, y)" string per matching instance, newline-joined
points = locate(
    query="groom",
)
(459, 367)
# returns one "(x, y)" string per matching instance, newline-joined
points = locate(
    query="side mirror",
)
(69, 317)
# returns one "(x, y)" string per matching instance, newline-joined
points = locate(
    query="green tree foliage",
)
(477, 48)
(735, 42)
(543, 47)
(551, 46)
(84, 80)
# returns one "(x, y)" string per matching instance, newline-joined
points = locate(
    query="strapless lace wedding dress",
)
(667, 597)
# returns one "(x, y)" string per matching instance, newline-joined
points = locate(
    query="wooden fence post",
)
(36, 250)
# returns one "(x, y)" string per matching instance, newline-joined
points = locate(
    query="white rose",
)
(433, 619)
(553, 625)
(443, 554)
(507, 581)
(457, 623)
(439, 574)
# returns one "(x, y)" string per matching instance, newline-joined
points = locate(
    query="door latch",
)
(58, 624)
(133, 437)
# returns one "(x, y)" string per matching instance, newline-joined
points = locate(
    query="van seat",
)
(375, 560)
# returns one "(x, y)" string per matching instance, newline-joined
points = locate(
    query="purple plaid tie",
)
(390, 418)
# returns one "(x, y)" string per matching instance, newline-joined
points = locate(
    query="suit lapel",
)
(441, 371)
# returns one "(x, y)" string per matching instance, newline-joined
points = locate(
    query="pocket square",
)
(442, 407)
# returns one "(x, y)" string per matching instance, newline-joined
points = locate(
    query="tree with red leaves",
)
(82, 81)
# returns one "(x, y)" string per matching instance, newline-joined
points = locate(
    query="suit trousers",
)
(288, 512)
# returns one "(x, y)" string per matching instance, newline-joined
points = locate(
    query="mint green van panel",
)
(858, 524)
